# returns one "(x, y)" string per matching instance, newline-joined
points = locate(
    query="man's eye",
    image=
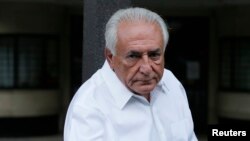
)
(154, 55)
(133, 56)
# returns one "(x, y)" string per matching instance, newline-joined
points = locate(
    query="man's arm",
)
(84, 125)
(192, 136)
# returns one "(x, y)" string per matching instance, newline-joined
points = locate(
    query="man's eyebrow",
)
(134, 52)
(155, 50)
(138, 52)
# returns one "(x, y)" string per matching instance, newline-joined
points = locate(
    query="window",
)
(235, 64)
(29, 61)
(6, 62)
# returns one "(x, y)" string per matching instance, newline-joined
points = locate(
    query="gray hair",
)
(132, 14)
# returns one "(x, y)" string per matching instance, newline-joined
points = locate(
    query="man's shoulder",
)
(169, 78)
(89, 91)
(174, 85)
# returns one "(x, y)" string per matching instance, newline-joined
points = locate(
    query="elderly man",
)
(132, 97)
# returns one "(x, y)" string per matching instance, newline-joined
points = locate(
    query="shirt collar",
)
(118, 90)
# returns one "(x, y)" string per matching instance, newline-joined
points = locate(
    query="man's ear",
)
(109, 56)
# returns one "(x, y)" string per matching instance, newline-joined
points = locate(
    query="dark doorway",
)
(76, 44)
(187, 57)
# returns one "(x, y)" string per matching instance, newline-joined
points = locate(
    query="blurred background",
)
(46, 54)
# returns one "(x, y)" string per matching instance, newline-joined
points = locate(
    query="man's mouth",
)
(147, 81)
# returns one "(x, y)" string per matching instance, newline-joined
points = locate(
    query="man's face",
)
(139, 59)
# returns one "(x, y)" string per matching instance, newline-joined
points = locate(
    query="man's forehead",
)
(137, 23)
(138, 50)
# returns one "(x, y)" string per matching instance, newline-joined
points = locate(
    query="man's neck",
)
(147, 96)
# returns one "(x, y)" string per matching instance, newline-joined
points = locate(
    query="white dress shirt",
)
(103, 109)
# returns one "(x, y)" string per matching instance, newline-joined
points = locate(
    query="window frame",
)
(45, 39)
(232, 43)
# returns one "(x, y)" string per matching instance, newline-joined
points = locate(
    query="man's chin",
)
(145, 90)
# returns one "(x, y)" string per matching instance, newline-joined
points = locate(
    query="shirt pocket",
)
(179, 130)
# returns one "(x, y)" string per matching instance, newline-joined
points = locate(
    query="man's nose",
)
(145, 66)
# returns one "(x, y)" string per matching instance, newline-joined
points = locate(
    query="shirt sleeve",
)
(192, 136)
(84, 125)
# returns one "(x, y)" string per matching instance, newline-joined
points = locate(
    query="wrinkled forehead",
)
(138, 21)
(140, 35)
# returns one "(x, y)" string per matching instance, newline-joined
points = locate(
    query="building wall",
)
(37, 18)
(31, 18)
(233, 21)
